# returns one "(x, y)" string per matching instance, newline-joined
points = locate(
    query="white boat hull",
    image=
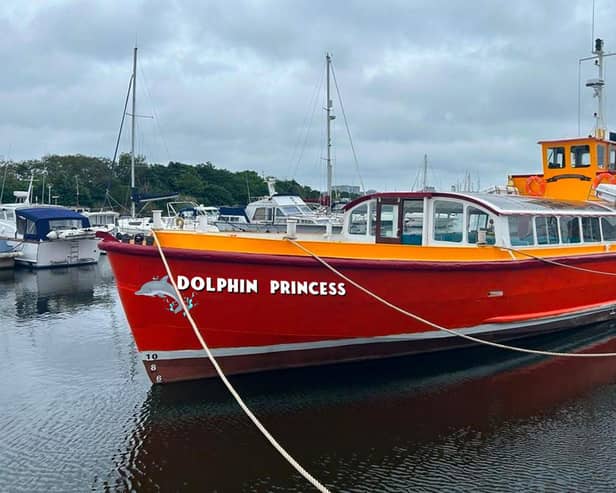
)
(59, 253)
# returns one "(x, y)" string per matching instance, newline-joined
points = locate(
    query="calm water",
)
(78, 413)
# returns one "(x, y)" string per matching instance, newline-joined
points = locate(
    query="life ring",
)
(603, 178)
(179, 222)
(535, 185)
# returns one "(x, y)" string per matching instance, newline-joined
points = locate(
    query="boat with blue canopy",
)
(48, 236)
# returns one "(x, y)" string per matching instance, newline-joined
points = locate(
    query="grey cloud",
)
(473, 84)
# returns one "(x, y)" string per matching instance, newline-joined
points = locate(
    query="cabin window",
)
(372, 215)
(521, 230)
(570, 229)
(388, 219)
(26, 227)
(263, 214)
(608, 225)
(288, 210)
(448, 221)
(21, 225)
(601, 156)
(612, 164)
(412, 222)
(580, 156)
(478, 220)
(546, 228)
(556, 157)
(358, 221)
(590, 229)
(64, 224)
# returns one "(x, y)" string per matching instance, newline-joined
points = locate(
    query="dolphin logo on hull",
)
(161, 288)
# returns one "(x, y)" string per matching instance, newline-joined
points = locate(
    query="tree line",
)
(95, 182)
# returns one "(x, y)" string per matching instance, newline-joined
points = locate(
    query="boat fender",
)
(603, 178)
(535, 185)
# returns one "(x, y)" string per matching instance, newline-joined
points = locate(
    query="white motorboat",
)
(47, 236)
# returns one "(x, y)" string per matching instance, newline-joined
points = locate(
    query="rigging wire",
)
(6, 168)
(313, 101)
(156, 118)
(117, 146)
(346, 124)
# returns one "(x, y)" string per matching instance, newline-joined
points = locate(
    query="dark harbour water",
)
(77, 412)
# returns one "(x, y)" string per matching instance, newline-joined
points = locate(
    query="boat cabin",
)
(467, 220)
(36, 224)
(102, 218)
(572, 168)
(277, 209)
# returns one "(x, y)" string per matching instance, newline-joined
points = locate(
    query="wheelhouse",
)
(572, 168)
(471, 220)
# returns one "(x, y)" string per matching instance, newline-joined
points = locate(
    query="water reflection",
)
(424, 422)
(71, 378)
(57, 291)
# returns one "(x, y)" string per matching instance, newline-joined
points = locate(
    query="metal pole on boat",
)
(597, 86)
(132, 135)
(329, 137)
(600, 124)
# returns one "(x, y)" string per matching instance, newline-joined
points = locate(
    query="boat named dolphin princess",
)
(497, 267)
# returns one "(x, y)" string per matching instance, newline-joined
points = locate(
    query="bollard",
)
(291, 228)
(157, 218)
(202, 224)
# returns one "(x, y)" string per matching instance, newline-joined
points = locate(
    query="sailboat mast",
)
(329, 137)
(424, 186)
(132, 135)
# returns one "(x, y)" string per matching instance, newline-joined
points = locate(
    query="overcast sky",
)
(473, 84)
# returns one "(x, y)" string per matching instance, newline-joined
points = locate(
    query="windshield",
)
(289, 210)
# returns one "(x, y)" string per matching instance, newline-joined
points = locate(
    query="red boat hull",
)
(260, 312)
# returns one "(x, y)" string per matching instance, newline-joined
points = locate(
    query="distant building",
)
(346, 189)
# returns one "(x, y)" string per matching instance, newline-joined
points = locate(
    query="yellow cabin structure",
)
(572, 168)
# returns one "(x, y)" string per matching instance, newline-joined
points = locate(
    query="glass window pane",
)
(358, 220)
(478, 220)
(372, 208)
(30, 227)
(521, 230)
(65, 224)
(580, 156)
(570, 229)
(608, 225)
(389, 221)
(556, 157)
(448, 221)
(546, 228)
(259, 214)
(590, 229)
(601, 156)
(412, 222)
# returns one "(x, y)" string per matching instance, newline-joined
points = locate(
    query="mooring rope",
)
(554, 262)
(435, 325)
(311, 479)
